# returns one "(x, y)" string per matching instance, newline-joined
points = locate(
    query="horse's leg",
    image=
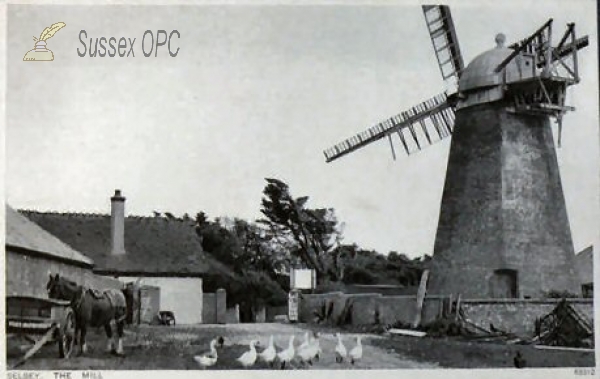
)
(110, 345)
(120, 325)
(82, 344)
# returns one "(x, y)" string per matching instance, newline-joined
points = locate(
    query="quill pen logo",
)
(40, 51)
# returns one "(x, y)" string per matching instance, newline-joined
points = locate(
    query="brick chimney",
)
(117, 223)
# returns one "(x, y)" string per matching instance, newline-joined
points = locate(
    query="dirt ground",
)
(173, 348)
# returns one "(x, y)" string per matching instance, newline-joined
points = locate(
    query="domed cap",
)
(480, 72)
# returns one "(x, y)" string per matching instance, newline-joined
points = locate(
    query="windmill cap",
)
(480, 72)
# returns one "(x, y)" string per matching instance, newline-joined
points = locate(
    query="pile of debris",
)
(564, 326)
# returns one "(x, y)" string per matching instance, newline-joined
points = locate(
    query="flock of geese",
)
(307, 352)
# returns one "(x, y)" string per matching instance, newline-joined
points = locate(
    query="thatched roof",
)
(154, 246)
(24, 235)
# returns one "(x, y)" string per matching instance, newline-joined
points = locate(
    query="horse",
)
(92, 308)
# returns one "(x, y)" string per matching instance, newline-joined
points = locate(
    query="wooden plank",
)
(564, 348)
(421, 297)
(407, 332)
(38, 345)
(457, 313)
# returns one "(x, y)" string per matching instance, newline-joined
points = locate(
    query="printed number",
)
(585, 371)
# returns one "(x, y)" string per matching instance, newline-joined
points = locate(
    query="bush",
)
(358, 275)
(327, 287)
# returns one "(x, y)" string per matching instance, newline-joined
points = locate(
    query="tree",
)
(237, 244)
(315, 231)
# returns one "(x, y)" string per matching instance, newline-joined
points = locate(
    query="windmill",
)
(503, 229)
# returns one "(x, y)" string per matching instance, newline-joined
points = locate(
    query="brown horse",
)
(91, 308)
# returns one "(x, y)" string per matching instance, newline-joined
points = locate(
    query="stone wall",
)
(363, 308)
(518, 316)
(232, 315)
(276, 311)
(512, 315)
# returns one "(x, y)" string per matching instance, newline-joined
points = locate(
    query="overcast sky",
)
(259, 92)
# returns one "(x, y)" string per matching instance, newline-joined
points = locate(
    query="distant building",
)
(154, 251)
(585, 267)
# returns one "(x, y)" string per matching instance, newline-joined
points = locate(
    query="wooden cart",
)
(40, 321)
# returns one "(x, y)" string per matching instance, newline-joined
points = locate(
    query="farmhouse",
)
(155, 252)
(32, 254)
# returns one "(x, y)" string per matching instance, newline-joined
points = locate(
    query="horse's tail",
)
(118, 301)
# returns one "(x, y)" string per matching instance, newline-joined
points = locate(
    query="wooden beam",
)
(421, 298)
(522, 46)
(392, 146)
(564, 348)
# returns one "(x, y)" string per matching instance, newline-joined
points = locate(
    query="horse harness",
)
(98, 295)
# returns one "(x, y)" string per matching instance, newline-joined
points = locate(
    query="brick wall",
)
(502, 209)
(366, 308)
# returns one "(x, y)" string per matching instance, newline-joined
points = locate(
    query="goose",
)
(356, 352)
(288, 354)
(210, 358)
(340, 350)
(268, 355)
(310, 351)
(319, 350)
(249, 357)
(305, 343)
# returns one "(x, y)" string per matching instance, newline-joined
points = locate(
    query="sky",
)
(257, 92)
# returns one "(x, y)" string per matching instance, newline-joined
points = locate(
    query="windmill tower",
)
(503, 229)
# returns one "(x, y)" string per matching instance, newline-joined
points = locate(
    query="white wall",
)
(183, 296)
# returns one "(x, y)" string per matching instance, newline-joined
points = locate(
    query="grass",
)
(457, 353)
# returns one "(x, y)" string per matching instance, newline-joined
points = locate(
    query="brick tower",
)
(503, 230)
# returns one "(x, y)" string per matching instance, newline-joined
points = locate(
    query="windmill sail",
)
(445, 44)
(421, 125)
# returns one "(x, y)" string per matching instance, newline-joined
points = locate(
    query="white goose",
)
(319, 350)
(249, 357)
(310, 351)
(268, 355)
(357, 351)
(210, 358)
(287, 355)
(340, 350)
(305, 343)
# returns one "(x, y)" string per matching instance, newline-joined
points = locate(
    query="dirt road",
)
(173, 348)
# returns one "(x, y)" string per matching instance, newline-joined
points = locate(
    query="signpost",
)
(299, 279)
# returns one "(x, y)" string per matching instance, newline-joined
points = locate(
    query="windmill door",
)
(503, 284)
